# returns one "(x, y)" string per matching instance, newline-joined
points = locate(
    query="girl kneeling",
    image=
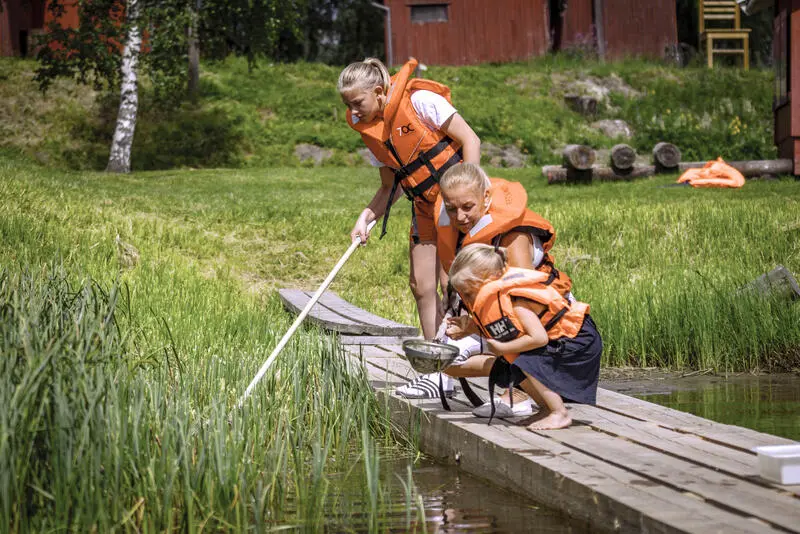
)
(549, 345)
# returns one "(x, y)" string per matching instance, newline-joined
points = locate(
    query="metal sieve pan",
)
(427, 356)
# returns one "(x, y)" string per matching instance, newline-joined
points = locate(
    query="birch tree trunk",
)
(119, 159)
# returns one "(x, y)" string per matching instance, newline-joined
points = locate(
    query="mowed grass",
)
(660, 266)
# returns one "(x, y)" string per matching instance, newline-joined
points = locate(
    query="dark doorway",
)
(23, 43)
(556, 10)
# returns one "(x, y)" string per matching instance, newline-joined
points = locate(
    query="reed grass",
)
(104, 431)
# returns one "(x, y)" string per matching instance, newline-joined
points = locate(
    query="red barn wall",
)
(786, 52)
(476, 31)
(638, 28)
(577, 23)
(30, 17)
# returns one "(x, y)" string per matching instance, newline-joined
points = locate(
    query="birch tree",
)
(119, 159)
(105, 50)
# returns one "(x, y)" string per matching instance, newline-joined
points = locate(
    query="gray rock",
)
(585, 105)
(613, 128)
(305, 152)
(505, 156)
(586, 94)
(364, 153)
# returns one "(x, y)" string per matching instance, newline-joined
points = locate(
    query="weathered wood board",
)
(334, 313)
(625, 465)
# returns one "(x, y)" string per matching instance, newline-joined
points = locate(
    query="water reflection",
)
(767, 403)
(445, 500)
(456, 502)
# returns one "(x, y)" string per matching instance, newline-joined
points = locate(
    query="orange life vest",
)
(493, 309)
(715, 173)
(400, 140)
(508, 212)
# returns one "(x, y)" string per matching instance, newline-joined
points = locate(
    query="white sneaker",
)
(521, 409)
(427, 387)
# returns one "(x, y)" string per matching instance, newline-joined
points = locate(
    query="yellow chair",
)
(719, 21)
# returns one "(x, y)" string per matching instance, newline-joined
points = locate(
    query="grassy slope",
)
(659, 265)
(255, 119)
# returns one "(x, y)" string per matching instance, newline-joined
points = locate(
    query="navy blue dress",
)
(568, 366)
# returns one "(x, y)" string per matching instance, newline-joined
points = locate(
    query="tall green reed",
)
(99, 434)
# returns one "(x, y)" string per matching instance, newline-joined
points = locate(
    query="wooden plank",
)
(738, 438)
(373, 340)
(778, 282)
(633, 477)
(672, 441)
(348, 319)
(295, 301)
(774, 508)
(354, 313)
(609, 497)
(371, 352)
(694, 507)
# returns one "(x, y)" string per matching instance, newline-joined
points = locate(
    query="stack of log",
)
(579, 165)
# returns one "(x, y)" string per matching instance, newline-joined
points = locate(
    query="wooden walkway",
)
(625, 465)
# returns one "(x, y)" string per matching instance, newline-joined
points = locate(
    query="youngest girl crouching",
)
(544, 343)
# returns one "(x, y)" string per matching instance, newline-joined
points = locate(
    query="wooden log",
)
(666, 157)
(578, 157)
(749, 169)
(622, 158)
(778, 283)
(556, 174)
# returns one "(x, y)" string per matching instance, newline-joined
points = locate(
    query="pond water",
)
(452, 500)
(767, 403)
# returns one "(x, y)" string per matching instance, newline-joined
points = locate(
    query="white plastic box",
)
(779, 463)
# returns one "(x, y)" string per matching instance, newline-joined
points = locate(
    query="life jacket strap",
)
(504, 375)
(407, 170)
(442, 396)
(435, 174)
(470, 393)
(389, 203)
(557, 317)
(413, 166)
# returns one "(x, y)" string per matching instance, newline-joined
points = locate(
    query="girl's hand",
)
(458, 327)
(359, 231)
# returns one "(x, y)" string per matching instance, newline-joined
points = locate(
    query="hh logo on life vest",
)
(503, 330)
(403, 130)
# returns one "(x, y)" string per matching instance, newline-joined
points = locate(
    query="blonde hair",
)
(466, 174)
(475, 265)
(364, 75)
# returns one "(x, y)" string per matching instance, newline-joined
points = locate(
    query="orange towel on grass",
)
(714, 174)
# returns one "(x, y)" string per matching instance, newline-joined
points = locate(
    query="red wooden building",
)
(20, 20)
(461, 32)
(786, 55)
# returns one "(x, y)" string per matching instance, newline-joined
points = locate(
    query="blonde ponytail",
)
(364, 75)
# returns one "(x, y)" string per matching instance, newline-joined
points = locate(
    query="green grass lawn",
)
(659, 265)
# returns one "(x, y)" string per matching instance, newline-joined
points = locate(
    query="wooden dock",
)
(625, 465)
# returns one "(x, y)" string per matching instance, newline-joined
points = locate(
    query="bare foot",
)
(538, 416)
(552, 421)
